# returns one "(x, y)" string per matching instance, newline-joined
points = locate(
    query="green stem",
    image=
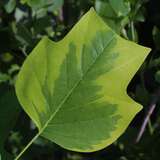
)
(133, 31)
(151, 130)
(28, 145)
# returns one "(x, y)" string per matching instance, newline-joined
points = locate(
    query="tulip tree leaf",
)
(75, 90)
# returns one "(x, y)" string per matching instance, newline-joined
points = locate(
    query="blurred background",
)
(24, 22)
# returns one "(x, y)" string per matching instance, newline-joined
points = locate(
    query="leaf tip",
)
(92, 10)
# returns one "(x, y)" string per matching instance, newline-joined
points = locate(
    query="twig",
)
(152, 107)
(145, 122)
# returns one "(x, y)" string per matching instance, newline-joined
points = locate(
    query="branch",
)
(152, 107)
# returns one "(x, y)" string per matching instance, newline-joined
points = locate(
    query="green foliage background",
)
(24, 22)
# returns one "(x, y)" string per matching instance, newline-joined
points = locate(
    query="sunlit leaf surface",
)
(75, 90)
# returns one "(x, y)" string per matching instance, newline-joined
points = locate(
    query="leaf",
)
(120, 7)
(10, 6)
(4, 77)
(57, 4)
(38, 4)
(106, 11)
(75, 90)
(9, 107)
(6, 57)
